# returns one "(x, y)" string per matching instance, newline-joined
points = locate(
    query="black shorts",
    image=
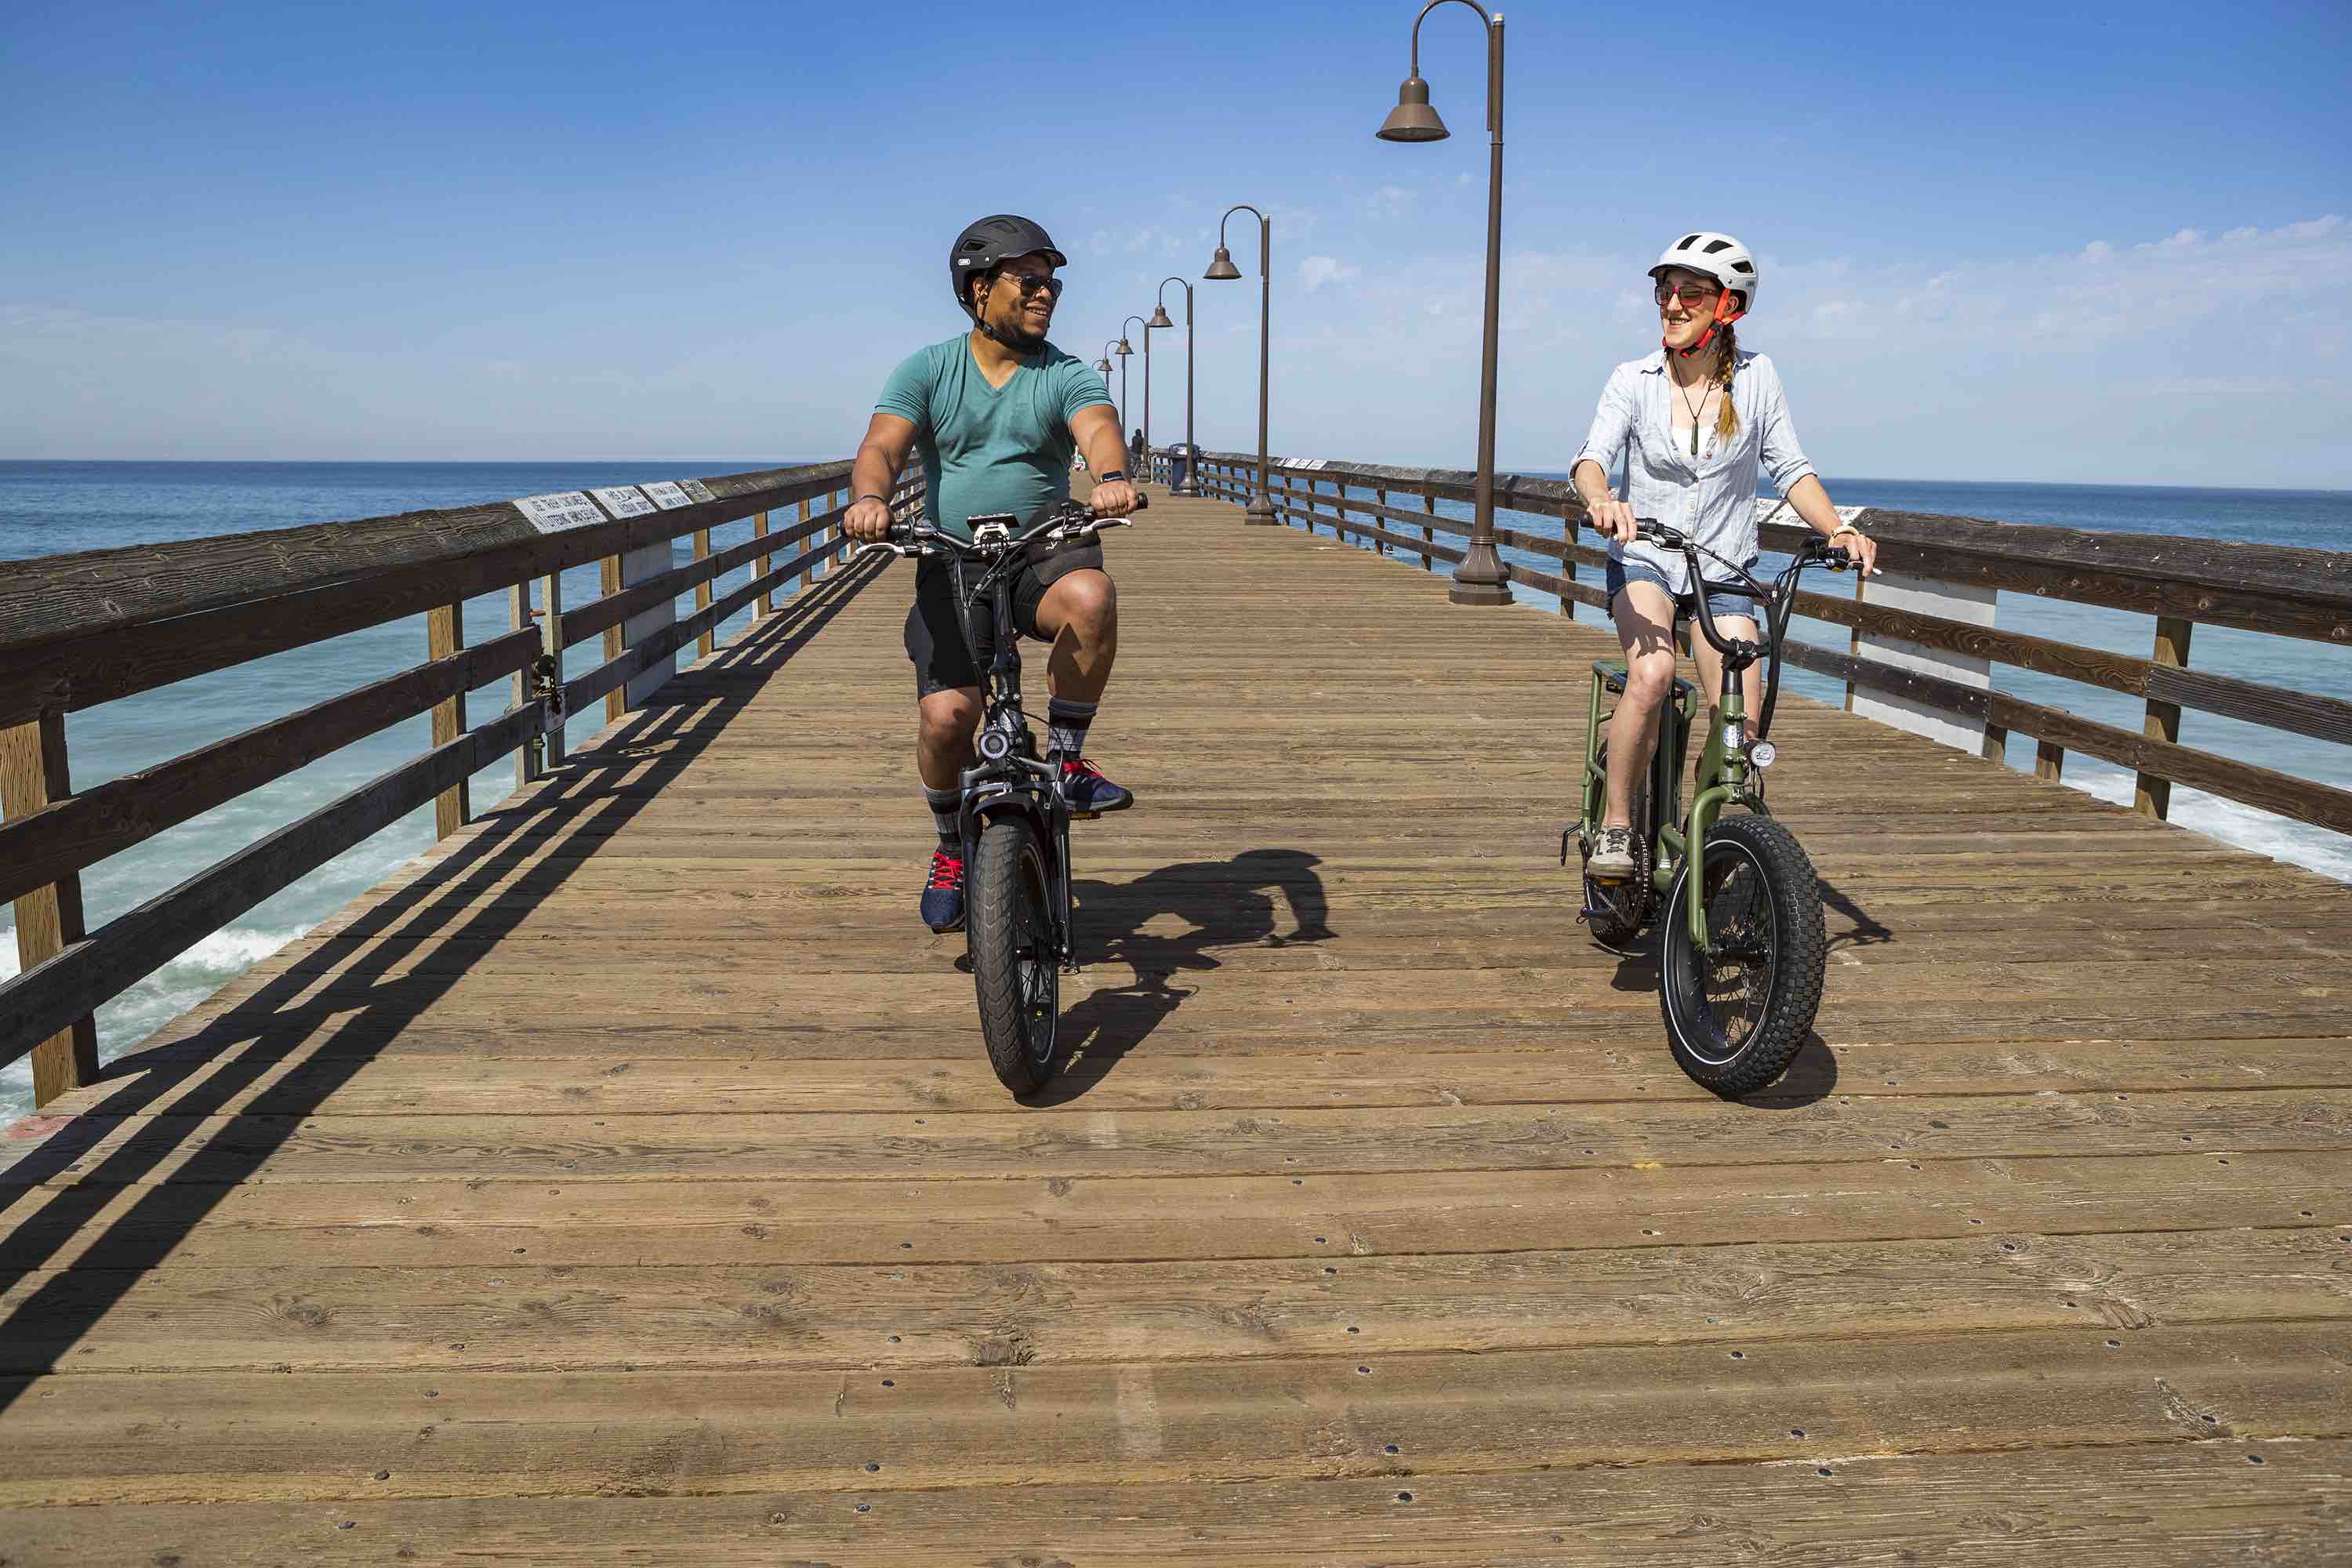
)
(934, 638)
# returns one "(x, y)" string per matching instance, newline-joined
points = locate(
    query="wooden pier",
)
(624, 1181)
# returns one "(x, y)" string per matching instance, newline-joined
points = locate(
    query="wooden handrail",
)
(2303, 593)
(80, 629)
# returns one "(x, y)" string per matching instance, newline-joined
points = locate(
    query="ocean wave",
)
(2241, 827)
(153, 1002)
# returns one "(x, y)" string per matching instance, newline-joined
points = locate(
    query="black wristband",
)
(1118, 474)
(870, 496)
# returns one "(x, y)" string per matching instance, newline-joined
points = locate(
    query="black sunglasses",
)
(1032, 285)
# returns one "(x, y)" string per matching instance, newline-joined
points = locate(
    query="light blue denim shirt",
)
(1710, 497)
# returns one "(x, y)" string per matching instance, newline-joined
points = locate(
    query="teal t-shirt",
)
(987, 448)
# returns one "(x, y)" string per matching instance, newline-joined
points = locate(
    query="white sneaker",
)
(1613, 855)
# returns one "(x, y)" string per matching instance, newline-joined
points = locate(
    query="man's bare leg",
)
(1080, 614)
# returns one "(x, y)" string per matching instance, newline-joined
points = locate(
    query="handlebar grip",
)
(1838, 560)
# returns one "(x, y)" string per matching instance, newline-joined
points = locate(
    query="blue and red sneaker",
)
(943, 893)
(1088, 792)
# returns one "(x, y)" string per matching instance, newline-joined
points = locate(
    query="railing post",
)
(1996, 744)
(1380, 496)
(762, 566)
(640, 566)
(2049, 759)
(1428, 531)
(445, 634)
(709, 637)
(617, 701)
(1567, 516)
(519, 613)
(1853, 642)
(33, 774)
(2152, 796)
(550, 646)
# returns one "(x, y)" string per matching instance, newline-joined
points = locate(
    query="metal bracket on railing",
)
(543, 686)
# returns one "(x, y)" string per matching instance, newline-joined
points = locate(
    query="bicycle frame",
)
(1728, 774)
(1008, 776)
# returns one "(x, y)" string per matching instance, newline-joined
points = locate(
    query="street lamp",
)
(1481, 578)
(1223, 271)
(1192, 485)
(1147, 386)
(1116, 349)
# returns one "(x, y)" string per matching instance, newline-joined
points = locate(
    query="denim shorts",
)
(1623, 571)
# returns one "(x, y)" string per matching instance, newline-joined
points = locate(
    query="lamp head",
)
(1102, 366)
(1123, 350)
(1160, 318)
(1223, 271)
(1412, 120)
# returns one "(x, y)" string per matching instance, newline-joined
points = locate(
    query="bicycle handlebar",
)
(1779, 602)
(1069, 520)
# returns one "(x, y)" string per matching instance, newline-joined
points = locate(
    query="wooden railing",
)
(83, 630)
(2181, 582)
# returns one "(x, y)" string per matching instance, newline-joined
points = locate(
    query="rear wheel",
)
(1738, 1012)
(1616, 911)
(1015, 967)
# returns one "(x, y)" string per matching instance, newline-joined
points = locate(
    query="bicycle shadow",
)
(1226, 903)
(1867, 932)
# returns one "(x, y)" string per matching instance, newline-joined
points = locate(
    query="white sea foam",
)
(2281, 838)
(151, 1004)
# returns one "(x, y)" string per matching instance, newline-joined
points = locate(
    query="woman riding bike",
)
(1700, 417)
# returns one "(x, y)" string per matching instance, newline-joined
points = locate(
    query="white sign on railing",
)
(667, 496)
(555, 513)
(695, 490)
(623, 500)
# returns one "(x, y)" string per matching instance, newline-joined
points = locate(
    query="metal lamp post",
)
(1481, 578)
(1147, 391)
(1223, 271)
(1192, 485)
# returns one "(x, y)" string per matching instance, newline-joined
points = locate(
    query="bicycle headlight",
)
(995, 746)
(1763, 754)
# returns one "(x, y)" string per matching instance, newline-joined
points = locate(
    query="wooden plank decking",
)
(625, 1182)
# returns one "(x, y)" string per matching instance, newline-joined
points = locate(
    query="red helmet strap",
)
(1724, 316)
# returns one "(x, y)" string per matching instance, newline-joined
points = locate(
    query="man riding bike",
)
(997, 412)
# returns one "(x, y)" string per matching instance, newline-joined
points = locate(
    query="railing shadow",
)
(1226, 903)
(207, 1157)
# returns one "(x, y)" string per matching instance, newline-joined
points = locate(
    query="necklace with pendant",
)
(1694, 413)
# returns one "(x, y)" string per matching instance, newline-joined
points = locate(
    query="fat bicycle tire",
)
(1015, 969)
(1618, 911)
(1737, 1016)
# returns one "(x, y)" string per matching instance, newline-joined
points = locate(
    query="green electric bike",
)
(1741, 948)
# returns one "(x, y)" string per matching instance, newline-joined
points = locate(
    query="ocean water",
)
(53, 508)
(47, 509)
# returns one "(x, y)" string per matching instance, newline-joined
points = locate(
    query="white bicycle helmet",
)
(1719, 257)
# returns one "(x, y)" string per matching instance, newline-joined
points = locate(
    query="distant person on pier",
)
(998, 413)
(1700, 418)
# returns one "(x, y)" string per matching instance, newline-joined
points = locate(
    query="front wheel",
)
(1014, 966)
(1738, 1012)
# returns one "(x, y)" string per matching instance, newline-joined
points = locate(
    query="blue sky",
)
(2102, 243)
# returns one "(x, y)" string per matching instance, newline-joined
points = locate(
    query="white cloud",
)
(1390, 201)
(1314, 271)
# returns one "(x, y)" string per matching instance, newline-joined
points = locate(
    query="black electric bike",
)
(1016, 822)
(1742, 951)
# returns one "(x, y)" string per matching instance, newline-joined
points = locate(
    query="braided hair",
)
(1726, 361)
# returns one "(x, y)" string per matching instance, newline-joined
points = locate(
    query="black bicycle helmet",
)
(992, 240)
